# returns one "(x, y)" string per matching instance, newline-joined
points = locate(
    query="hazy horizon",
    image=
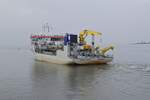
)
(119, 21)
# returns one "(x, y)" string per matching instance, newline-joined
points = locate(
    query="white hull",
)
(53, 59)
(67, 60)
(93, 61)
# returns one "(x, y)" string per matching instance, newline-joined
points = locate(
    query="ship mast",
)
(46, 28)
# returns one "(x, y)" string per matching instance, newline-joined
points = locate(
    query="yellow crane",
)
(83, 34)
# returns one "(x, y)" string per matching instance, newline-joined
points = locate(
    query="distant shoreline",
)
(141, 43)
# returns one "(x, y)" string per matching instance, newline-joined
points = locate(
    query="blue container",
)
(66, 39)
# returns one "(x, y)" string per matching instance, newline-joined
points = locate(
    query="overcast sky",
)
(120, 21)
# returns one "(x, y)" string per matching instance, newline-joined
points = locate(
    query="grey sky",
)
(120, 21)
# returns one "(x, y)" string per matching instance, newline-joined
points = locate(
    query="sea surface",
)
(126, 78)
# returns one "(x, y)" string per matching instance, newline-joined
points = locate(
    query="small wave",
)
(133, 67)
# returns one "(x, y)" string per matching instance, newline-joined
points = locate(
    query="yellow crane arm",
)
(104, 50)
(84, 33)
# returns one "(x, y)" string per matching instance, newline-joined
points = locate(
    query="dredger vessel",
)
(70, 48)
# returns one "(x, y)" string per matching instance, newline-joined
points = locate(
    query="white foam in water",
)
(147, 69)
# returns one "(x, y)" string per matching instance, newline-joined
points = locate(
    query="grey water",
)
(126, 78)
